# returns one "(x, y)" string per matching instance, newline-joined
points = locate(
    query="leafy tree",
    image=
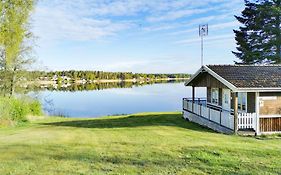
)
(15, 41)
(259, 37)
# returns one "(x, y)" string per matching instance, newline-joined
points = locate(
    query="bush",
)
(17, 109)
(35, 108)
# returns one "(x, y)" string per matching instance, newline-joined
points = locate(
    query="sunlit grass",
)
(152, 143)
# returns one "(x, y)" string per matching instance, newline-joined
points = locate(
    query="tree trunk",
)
(13, 83)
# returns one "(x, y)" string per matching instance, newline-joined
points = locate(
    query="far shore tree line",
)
(73, 87)
(89, 76)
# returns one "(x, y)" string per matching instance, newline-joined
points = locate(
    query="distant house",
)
(239, 98)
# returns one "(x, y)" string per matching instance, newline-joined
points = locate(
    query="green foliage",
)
(259, 37)
(35, 108)
(17, 109)
(96, 86)
(15, 41)
(100, 75)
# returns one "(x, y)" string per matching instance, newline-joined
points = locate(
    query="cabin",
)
(239, 98)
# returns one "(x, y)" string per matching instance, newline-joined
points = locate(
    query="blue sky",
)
(151, 36)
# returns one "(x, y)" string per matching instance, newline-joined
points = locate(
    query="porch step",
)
(246, 132)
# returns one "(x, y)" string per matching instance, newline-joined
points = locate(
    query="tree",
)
(259, 37)
(15, 40)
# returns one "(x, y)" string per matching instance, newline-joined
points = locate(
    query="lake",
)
(116, 101)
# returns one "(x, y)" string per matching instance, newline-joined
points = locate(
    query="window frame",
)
(215, 99)
(241, 96)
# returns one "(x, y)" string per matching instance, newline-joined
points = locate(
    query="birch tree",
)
(15, 41)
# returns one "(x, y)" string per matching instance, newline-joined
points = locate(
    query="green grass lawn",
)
(152, 143)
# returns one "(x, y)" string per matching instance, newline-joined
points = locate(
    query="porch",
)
(217, 118)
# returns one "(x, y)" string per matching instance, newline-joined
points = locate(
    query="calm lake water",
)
(114, 101)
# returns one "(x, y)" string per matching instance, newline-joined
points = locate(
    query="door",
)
(226, 99)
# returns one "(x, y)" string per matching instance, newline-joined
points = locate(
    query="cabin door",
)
(226, 99)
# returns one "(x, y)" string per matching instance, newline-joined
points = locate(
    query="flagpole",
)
(203, 31)
(202, 50)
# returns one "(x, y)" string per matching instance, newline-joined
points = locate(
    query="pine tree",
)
(259, 37)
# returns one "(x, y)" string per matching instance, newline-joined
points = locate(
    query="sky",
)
(148, 36)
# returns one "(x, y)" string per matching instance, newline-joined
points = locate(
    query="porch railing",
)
(218, 115)
(247, 121)
(210, 112)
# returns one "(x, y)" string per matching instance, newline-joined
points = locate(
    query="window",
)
(242, 101)
(215, 96)
(226, 99)
(270, 105)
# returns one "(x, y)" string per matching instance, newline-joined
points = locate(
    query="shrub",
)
(35, 108)
(17, 109)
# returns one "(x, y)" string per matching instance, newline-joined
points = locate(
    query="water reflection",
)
(114, 98)
(96, 86)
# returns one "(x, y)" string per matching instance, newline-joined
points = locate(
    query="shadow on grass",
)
(133, 121)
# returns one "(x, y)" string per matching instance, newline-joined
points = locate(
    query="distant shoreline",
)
(48, 82)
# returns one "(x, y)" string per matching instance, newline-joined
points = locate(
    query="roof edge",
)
(222, 80)
(271, 89)
(215, 75)
(194, 76)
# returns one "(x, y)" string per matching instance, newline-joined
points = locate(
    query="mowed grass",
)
(151, 143)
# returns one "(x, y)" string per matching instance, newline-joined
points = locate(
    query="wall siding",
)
(207, 80)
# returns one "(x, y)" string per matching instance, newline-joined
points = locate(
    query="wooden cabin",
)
(239, 98)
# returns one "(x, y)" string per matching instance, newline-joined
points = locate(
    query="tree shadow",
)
(137, 120)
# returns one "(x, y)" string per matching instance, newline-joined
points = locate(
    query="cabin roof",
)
(249, 76)
(245, 77)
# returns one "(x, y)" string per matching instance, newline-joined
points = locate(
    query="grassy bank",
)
(153, 143)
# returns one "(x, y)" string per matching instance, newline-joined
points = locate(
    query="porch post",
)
(258, 113)
(193, 97)
(235, 112)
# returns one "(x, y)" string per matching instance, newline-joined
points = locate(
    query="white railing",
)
(222, 117)
(227, 119)
(247, 121)
(196, 108)
(214, 114)
(205, 112)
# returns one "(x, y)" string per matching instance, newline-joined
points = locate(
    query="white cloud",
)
(173, 15)
(62, 24)
(95, 19)
(207, 39)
